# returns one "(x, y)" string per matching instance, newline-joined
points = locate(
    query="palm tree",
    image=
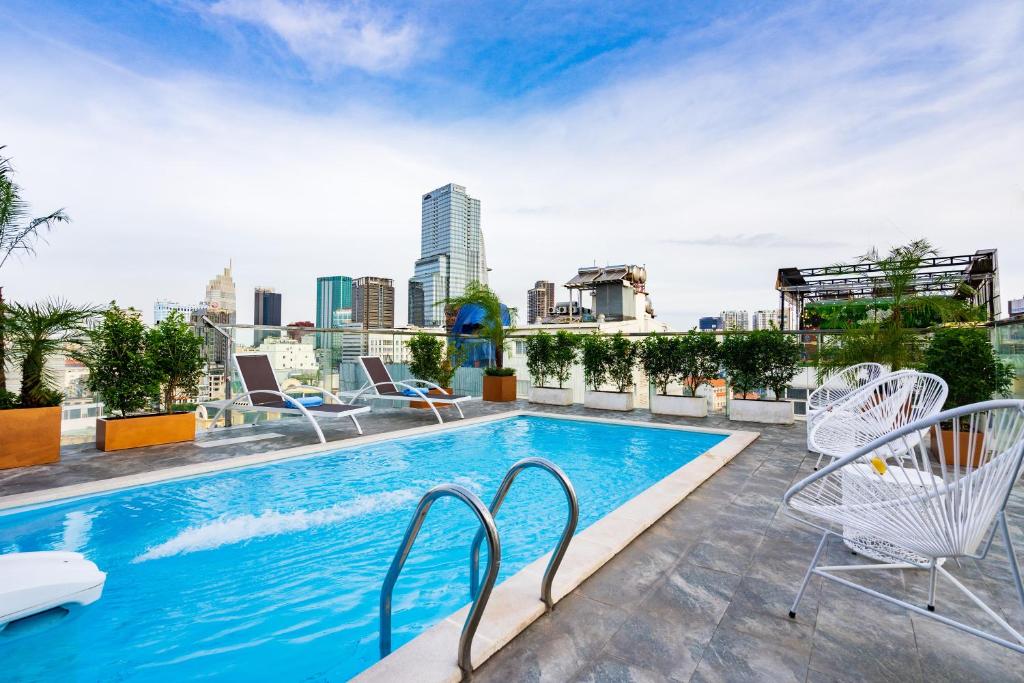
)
(492, 328)
(18, 233)
(37, 332)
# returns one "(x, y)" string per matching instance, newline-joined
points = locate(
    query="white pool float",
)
(31, 583)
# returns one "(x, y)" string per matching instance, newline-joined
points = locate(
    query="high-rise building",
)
(220, 294)
(711, 323)
(333, 307)
(766, 320)
(266, 310)
(373, 302)
(539, 301)
(163, 308)
(736, 320)
(1016, 307)
(451, 253)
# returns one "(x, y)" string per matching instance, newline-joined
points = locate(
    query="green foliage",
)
(120, 370)
(37, 332)
(426, 351)
(8, 400)
(538, 357)
(454, 357)
(964, 357)
(499, 372)
(741, 362)
(621, 360)
(563, 355)
(699, 359)
(595, 360)
(175, 353)
(779, 356)
(493, 327)
(660, 357)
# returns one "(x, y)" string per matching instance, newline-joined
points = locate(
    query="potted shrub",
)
(30, 421)
(964, 357)
(691, 359)
(426, 352)
(612, 359)
(551, 356)
(131, 378)
(764, 359)
(499, 381)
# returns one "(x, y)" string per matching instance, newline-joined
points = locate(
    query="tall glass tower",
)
(333, 305)
(451, 253)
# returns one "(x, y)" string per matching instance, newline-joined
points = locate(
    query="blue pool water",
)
(274, 572)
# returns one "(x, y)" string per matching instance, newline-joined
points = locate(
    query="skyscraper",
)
(333, 305)
(266, 310)
(451, 253)
(539, 300)
(373, 302)
(220, 295)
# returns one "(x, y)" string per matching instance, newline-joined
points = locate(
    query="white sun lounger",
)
(382, 386)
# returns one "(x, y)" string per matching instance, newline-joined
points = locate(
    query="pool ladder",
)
(480, 593)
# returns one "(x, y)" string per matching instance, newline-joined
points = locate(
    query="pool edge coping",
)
(515, 603)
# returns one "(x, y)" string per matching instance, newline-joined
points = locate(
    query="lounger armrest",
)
(320, 390)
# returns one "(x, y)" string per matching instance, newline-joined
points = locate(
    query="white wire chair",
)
(945, 500)
(837, 388)
(875, 410)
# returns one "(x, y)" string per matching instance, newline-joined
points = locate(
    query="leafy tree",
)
(18, 234)
(454, 357)
(563, 355)
(595, 360)
(699, 359)
(426, 351)
(660, 357)
(779, 355)
(492, 328)
(37, 332)
(742, 362)
(120, 370)
(175, 353)
(538, 357)
(964, 357)
(621, 360)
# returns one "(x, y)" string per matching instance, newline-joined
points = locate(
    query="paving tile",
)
(951, 655)
(671, 648)
(727, 550)
(628, 577)
(734, 656)
(692, 595)
(607, 669)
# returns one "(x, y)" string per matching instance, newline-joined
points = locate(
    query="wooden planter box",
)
(118, 433)
(767, 412)
(423, 405)
(608, 400)
(29, 436)
(499, 389)
(681, 406)
(948, 437)
(551, 396)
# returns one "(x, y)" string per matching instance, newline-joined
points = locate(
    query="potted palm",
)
(499, 381)
(132, 370)
(764, 359)
(551, 356)
(964, 357)
(30, 420)
(610, 359)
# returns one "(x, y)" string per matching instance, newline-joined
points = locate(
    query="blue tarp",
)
(467, 322)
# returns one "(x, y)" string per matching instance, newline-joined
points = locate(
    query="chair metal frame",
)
(837, 389)
(416, 385)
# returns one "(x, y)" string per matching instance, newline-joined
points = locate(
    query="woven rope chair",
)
(944, 500)
(837, 389)
(875, 410)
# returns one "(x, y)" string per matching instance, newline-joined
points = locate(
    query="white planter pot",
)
(682, 406)
(551, 396)
(769, 412)
(608, 400)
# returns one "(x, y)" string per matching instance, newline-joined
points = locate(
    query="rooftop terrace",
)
(702, 595)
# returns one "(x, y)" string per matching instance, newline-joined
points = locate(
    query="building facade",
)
(451, 253)
(736, 320)
(539, 301)
(373, 303)
(266, 310)
(163, 308)
(711, 323)
(765, 320)
(333, 303)
(220, 294)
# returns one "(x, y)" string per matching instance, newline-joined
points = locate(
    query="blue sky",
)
(714, 142)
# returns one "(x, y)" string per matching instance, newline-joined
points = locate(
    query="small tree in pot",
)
(764, 359)
(617, 358)
(119, 369)
(780, 356)
(696, 362)
(426, 352)
(595, 360)
(499, 381)
(551, 356)
(538, 357)
(175, 353)
(964, 357)
(454, 357)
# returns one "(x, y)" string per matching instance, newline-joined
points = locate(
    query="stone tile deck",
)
(702, 595)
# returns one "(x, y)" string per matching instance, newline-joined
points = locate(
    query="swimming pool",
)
(273, 572)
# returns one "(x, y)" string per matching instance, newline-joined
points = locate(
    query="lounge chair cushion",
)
(307, 401)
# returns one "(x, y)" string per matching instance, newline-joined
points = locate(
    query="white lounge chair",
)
(837, 389)
(925, 511)
(380, 385)
(262, 394)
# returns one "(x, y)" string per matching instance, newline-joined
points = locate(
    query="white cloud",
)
(167, 179)
(328, 37)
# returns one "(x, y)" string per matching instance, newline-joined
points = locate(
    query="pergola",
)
(847, 282)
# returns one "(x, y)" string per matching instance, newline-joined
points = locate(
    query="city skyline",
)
(715, 145)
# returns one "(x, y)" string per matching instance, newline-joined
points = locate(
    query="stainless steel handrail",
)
(476, 610)
(563, 542)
